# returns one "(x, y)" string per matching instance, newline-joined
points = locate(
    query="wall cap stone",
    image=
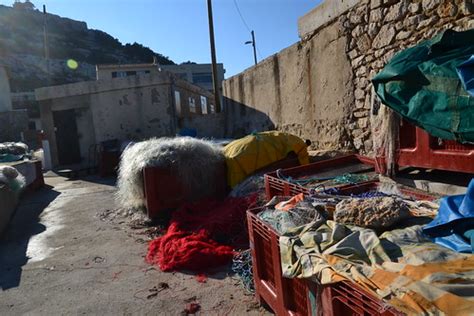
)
(324, 13)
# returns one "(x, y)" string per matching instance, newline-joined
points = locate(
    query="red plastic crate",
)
(164, 190)
(375, 185)
(346, 298)
(298, 296)
(108, 163)
(275, 186)
(284, 296)
(418, 149)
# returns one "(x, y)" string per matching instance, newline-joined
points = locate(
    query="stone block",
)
(361, 113)
(368, 145)
(396, 12)
(385, 36)
(361, 71)
(373, 30)
(466, 7)
(414, 8)
(363, 43)
(428, 22)
(429, 5)
(413, 21)
(447, 9)
(353, 54)
(359, 94)
(358, 143)
(376, 15)
(359, 104)
(363, 122)
(357, 61)
(375, 3)
(357, 31)
(403, 35)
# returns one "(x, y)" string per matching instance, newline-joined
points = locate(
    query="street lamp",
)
(254, 46)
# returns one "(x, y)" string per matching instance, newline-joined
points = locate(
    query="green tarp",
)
(422, 85)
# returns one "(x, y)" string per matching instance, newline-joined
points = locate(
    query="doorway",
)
(67, 140)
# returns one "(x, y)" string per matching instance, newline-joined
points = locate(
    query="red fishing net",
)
(201, 235)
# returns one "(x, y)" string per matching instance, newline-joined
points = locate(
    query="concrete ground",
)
(68, 251)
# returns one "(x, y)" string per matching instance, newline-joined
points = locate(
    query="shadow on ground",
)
(24, 224)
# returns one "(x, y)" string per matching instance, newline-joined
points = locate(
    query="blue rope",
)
(242, 266)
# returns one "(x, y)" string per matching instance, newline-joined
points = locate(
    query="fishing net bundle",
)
(302, 213)
(12, 178)
(195, 161)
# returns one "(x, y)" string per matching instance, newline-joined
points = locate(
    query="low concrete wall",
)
(9, 201)
(319, 88)
(12, 124)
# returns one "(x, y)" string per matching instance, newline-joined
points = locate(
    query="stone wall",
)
(380, 28)
(319, 88)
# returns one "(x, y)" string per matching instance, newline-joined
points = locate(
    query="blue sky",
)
(178, 28)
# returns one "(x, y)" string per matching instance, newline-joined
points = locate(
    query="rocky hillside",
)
(22, 49)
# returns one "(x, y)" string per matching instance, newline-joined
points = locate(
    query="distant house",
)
(198, 74)
(78, 116)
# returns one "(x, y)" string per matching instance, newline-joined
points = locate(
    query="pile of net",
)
(202, 235)
(195, 161)
(12, 178)
(11, 151)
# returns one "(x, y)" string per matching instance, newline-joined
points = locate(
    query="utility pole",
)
(45, 43)
(254, 46)
(213, 56)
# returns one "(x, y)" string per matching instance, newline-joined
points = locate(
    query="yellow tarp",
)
(246, 155)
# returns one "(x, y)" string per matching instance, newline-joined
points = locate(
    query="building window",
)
(143, 72)
(203, 105)
(177, 102)
(212, 108)
(119, 74)
(131, 73)
(192, 105)
(202, 77)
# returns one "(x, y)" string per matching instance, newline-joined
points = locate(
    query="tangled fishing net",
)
(196, 163)
(12, 178)
(242, 266)
(202, 235)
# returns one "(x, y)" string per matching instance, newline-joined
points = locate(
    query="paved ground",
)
(68, 251)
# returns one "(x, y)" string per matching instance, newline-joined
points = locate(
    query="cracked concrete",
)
(59, 256)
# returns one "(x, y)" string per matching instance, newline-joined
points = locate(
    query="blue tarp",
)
(466, 74)
(453, 227)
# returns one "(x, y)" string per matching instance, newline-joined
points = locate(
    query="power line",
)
(241, 16)
(245, 23)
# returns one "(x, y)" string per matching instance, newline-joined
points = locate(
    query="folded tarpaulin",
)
(466, 74)
(421, 84)
(453, 227)
(246, 155)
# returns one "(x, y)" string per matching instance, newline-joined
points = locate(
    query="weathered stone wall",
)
(377, 30)
(320, 88)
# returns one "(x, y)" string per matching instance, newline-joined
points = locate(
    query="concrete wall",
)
(319, 88)
(305, 89)
(131, 108)
(5, 99)
(12, 125)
